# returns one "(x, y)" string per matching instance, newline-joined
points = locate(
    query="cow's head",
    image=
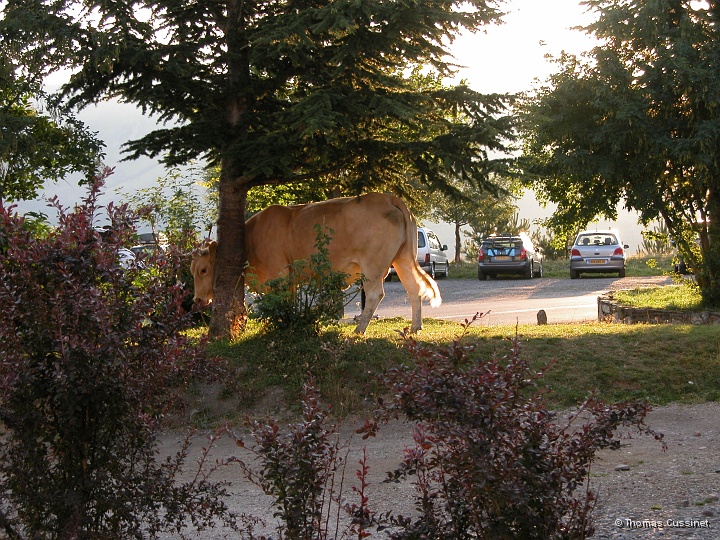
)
(202, 268)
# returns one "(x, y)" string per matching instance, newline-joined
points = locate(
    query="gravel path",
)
(671, 494)
(644, 492)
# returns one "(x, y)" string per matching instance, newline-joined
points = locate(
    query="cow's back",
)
(367, 232)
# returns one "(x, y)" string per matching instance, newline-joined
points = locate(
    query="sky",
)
(506, 58)
(512, 58)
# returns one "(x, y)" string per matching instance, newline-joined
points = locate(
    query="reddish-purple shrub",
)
(490, 460)
(301, 468)
(92, 359)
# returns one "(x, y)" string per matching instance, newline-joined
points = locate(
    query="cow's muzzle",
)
(201, 303)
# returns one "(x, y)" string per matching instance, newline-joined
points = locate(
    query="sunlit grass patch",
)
(683, 296)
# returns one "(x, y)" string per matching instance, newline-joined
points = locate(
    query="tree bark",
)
(457, 242)
(710, 288)
(229, 313)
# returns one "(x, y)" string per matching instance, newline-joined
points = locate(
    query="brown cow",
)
(370, 233)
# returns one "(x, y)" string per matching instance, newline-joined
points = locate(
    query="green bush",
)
(309, 297)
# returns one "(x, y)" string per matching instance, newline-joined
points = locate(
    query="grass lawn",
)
(681, 296)
(660, 363)
(615, 362)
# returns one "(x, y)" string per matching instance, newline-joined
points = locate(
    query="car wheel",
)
(432, 271)
(528, 271)
(447, 269)
(481, 275)
(574, 274)
(621, 273)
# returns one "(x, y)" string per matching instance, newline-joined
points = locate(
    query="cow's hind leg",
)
(416, 310)
(412, 284)
(374, 293)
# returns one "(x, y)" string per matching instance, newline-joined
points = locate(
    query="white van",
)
(430, 255)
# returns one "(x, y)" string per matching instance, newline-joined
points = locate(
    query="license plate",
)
(501, 258)
(597, 261)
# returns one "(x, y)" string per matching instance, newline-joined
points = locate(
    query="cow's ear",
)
(212, 248)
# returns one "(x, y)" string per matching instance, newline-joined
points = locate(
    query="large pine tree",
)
(278, 92)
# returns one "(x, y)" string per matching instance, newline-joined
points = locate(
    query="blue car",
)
(509, 254)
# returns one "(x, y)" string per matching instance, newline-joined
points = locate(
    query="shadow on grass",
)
(660, 363)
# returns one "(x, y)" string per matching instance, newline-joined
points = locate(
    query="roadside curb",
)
(610, 310)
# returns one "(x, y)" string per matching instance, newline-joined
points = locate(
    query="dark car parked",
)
(509, 254)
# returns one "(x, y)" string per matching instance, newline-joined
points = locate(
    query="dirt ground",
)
(644, 492)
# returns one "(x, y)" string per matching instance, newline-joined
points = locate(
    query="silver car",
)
(597, 252)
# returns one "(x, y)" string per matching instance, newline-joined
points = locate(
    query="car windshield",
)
(503, 243)
(595, 239)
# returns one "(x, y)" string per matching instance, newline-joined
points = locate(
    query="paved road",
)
(510, 300)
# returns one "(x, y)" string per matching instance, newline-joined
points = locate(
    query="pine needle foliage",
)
(329, 92)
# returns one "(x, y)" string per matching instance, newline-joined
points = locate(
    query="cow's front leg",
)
(374, 293)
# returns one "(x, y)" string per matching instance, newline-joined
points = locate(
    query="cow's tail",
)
(408, 255)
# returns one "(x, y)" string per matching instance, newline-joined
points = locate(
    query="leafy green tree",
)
(36, 146)
(176, 206)
(483, 210)
(637, 120)
(278, 93)
(656, 241)
(553, 244)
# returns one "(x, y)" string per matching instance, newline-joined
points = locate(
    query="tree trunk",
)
(457, 242)
(709, 280)
(229, 313)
